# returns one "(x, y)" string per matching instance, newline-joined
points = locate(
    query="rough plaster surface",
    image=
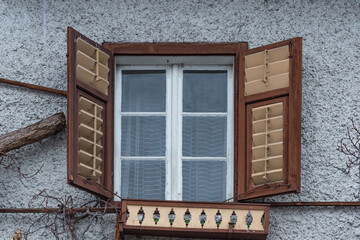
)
(331, 50)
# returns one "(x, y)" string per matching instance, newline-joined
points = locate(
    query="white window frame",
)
(174, 67)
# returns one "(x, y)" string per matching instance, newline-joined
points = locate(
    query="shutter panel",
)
(90, 115)
(272, 98)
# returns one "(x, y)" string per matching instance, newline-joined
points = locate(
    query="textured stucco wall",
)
(331, 50)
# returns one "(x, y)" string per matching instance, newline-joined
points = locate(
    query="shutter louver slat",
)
(274, 55)
(89, 160)
(87, 118)
(92, 174)
(273, 136)
(86, 61)
(270, 69)
(87, 144)
(89, 132)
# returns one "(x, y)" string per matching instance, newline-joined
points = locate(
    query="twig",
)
(8, 162)
(350, 147)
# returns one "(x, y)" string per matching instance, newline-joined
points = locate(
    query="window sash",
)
(229, 158)
(174, 116)
(118, 114)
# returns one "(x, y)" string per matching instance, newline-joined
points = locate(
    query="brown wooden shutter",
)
(90, 115)
(271, 78)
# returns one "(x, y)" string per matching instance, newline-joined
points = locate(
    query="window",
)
(263, 118)
(174, 128)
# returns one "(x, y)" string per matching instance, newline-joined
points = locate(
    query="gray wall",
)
(331, 50)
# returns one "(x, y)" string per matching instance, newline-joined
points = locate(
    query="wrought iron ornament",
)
(218, 218)
(202, 218)
(248, 219)
(187, 217)
(127, 214)
(156, 215)
(233, 218)
(141, 215)
(171, 217)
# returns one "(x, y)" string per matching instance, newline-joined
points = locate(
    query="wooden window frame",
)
(196, 49)
(242, 189)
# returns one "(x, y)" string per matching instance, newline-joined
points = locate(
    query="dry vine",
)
(61, 223)
(9, 163)
(350, 147)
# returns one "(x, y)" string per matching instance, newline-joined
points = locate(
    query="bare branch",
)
(63, 222)
(32, 133)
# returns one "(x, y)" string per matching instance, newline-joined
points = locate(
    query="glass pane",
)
(143, 179)
(143, 136)
(204, 136)
(205, 91)
(143, 91)
(204, 180)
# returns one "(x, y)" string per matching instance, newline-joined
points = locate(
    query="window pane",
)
(143, 91)
(204, 136)
(205, 91)
(204, 180)
(143, 179)
(143, 136)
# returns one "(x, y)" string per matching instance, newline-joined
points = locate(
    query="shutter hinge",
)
(71, 178)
